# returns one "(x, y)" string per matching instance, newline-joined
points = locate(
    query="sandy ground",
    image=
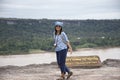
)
(109, 71)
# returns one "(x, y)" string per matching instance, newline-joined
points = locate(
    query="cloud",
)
(60, 8)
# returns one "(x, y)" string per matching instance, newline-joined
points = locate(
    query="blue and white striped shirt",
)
(60, 41)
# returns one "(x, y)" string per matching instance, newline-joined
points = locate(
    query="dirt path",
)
(51, 72)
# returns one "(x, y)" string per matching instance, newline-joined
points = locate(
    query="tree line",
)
(18, 36)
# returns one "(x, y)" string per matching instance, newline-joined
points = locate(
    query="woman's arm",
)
(66, 41)
(70, 47)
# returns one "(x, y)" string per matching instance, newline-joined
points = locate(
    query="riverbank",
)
(48, 57)
(110, 70)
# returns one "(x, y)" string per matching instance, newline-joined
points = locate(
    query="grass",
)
(35, 51)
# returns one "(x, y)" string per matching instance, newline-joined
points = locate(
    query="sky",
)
(60, 9)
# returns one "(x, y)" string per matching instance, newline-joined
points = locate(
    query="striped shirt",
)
(60, 41)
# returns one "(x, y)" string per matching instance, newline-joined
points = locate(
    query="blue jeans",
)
(61, 59)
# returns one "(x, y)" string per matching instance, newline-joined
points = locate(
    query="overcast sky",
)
(60, 9)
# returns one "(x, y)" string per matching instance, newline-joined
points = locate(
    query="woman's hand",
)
(69, 47)
(70, 50)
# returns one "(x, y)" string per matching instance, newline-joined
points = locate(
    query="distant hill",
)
(20, 35)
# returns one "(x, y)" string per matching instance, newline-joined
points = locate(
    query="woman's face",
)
(58, 28)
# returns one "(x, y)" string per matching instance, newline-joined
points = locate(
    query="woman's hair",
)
(56, 31)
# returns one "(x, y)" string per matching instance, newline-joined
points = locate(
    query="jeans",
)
(61, 59)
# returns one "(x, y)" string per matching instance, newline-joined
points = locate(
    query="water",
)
(48, 57)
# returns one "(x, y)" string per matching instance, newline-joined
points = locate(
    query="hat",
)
(59, 23)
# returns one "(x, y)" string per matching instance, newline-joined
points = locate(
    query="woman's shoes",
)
(69, 75)
(61, 78)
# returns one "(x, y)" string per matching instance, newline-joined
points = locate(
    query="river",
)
(48, 57)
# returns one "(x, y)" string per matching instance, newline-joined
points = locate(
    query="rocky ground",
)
(110, 70)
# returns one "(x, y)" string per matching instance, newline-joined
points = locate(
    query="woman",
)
(62, 45)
